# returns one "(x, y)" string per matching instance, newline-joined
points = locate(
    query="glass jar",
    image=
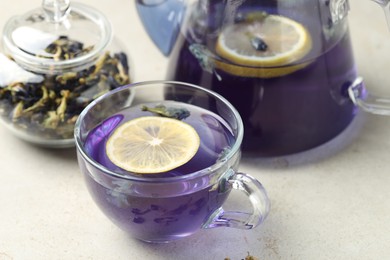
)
(54, 61)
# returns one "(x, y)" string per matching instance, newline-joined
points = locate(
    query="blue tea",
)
(169, 211)
(283, 114)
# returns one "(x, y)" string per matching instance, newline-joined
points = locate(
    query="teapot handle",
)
(357, 92)
(369, 103)
(385, 4)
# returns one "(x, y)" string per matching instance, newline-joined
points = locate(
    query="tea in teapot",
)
(287, 66)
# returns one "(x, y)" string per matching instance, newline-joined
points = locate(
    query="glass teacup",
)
(176, 203)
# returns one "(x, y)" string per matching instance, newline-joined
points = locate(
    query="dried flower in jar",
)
(50, 107)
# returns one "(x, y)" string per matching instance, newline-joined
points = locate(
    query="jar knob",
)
(56, 10)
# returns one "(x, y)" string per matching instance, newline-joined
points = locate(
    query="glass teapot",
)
(287, 66)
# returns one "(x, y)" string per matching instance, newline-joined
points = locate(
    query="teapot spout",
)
(162, 20)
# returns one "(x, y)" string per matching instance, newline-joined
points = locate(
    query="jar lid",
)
(57, 36)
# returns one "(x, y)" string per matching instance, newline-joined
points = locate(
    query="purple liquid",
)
(160, 213)
(281, 115)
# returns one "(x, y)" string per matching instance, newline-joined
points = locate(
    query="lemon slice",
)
(152, 144)
(285, 42)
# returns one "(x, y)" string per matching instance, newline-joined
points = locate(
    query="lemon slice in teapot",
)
(265, 46)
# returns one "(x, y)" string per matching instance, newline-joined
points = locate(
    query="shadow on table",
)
(66, 154)
(329, 149)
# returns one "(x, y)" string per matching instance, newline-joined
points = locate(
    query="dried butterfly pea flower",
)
(51, 108)
(171, 112)
(258, 44)
(65, 49)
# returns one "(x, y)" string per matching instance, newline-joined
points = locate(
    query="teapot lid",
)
(57, 36)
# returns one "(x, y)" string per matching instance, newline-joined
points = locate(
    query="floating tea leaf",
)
(172, 112)
(256, 16)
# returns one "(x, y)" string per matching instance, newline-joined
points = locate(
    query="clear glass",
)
(54, 61)
(166, 208)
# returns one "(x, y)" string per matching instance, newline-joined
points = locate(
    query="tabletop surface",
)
(325, 205)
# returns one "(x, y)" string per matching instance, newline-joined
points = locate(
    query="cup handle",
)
(258, 197)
